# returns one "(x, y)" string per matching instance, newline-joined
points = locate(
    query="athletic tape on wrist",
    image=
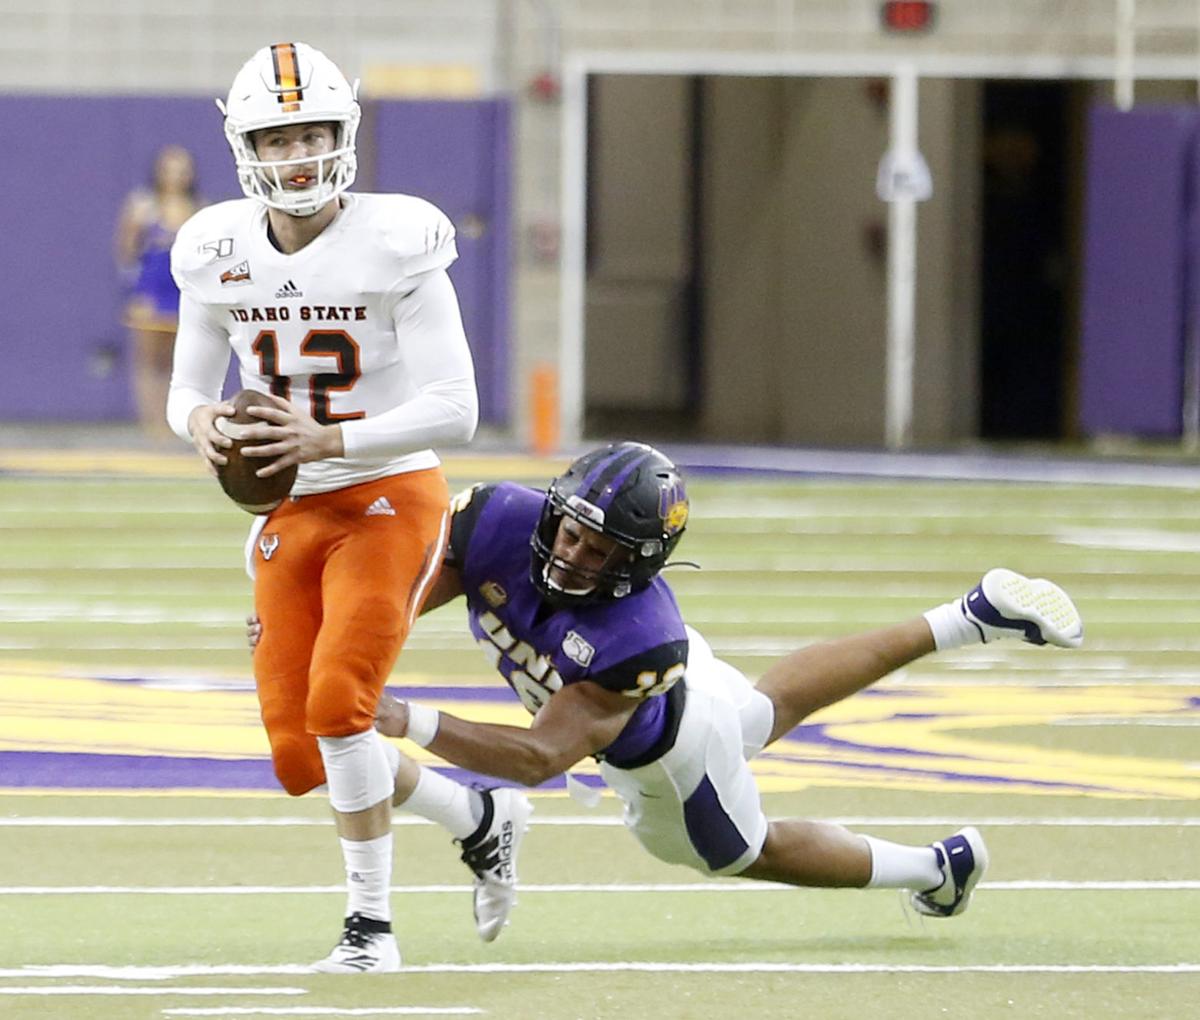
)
(422, 724)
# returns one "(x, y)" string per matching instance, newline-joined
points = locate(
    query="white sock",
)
(950, 626)
(456, 808)
(894, 866)
(368, 876)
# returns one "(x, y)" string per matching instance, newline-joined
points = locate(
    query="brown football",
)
(253, 494)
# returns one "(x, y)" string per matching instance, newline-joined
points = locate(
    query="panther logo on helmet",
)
(284, 84)
(673, 508)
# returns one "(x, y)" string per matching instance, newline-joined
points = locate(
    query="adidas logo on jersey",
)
(289, 290)
(380, 506)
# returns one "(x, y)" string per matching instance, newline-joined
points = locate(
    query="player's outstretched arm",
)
(577, 721)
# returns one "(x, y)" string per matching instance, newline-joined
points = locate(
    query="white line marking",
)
(1127, 721)
(128, 990)
(27, 610)
(324, 1011)
(609, 821)
(698, 886)
(196, 970)
(1131, 539)
(807, 968)
(145, 973)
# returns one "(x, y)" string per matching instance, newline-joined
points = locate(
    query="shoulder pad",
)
(207, 238)
(415, 231)
(465, 509)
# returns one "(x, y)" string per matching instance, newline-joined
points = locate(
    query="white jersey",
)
(334, 327)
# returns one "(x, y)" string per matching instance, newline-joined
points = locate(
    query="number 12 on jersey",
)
(319, 343)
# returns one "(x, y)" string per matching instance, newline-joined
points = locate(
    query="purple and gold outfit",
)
(154, 298)
(680, 762)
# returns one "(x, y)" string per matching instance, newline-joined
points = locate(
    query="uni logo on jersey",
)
(287, 76)
(236, 274)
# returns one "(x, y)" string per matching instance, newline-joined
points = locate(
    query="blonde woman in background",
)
(149, 221)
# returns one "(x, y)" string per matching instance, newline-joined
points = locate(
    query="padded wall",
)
(1136, 269)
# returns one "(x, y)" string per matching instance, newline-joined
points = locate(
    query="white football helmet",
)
(292, 83)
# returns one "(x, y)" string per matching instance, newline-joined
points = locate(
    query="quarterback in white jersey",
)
(340, 306)
(360, 327)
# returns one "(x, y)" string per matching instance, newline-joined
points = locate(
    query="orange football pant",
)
(340, 577)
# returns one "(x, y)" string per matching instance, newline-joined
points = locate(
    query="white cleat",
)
(1008, 604)
(367, 947)
(963, 859)
(491, 854)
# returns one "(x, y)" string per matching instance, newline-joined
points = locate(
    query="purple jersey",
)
(635, 645)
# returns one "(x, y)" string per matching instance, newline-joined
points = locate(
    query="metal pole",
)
(1125, 43)
(571, 255)
(1191, 353)
(902, 268)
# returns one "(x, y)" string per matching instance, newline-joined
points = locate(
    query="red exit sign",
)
(908, 15)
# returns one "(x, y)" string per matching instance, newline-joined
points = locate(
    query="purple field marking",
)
(498, 691)
(50, 770)
(974, 777)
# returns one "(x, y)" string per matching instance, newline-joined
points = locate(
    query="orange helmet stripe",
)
(287, 72)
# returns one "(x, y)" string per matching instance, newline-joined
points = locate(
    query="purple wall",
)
(77, 159)
(1136, 269)
(456, 154)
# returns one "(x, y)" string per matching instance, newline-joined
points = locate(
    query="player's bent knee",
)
(358, 771)
(340, 707)
(298, 765)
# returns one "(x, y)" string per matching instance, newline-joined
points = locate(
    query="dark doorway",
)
(644, 228)
(1025, 317)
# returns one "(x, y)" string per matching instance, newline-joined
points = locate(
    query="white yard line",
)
(323, 1011)
(874, 564)
(805, 968)
(560, 887)
(132, 990)
(568, 821)
(749, 967)
(107, 972)
(1084, 668)
(1149, 720)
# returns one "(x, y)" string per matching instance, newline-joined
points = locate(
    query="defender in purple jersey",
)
(564, 596)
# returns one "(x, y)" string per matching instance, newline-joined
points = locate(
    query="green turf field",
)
(1081, 768)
